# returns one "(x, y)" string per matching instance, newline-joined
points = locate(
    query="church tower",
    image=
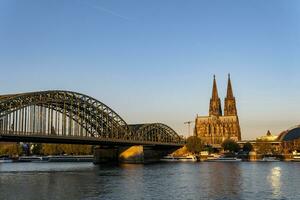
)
(231, 111)
(230, 105)
(215, 102)
(216, 128)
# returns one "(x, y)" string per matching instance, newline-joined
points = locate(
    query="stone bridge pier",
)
(131, 154)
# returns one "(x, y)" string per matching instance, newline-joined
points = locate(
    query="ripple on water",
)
(154, 181)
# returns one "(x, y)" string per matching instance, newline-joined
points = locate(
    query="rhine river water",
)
(206, 180)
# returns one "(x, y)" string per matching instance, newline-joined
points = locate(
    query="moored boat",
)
(5, 160)
(225, 159)
(296, 157)
(188, 158)
(31, 159)
(212, 157)
(62, 158)
(87, 158)
(269, 159)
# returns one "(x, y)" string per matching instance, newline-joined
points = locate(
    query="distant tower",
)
(230, 105)
(230, 109)
(215, 102)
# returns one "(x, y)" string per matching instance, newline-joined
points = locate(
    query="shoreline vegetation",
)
(15, 150)
(194, 146)
(231, 149)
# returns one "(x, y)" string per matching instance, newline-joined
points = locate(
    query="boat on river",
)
(62, 158)
(188, 158)
(5, 160)
(212, 157)
(269, 159)
(296, 157)
(32, 159)
(225, 159)
(66, 158)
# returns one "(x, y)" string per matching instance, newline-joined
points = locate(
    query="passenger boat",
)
(225, 159)
(63, 158)
(269, 159)
(296, 157)
(170, 158)
(5, 160)
(88, 158)
(31, 159)
(212, 157)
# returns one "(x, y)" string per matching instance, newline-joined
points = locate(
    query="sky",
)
(154, 61)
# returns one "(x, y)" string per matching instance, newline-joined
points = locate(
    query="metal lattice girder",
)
(77, 106)
(156, 132)
(69, 114)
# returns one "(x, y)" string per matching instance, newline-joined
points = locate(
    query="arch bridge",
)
(74, 118)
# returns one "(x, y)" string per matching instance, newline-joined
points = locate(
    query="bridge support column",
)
(252, 156)
(152, 154)
(105, 155)
(130, 154)
(143, 154)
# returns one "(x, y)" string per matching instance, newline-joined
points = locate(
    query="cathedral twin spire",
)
(230, 105)
(215, 102)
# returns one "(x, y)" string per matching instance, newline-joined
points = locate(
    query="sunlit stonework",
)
(215, 128)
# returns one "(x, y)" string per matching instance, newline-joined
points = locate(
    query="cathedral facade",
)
(216, 127)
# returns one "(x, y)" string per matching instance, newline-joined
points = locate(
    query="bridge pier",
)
(154, 154)
(130, 154)
(105, 154)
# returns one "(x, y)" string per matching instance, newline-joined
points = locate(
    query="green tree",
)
(230, 145)
(51, 149)
(194, 144)
(265, 147)
(248, 147)
(10, 149)
(36, 149)
(209, 149)
(70, 149)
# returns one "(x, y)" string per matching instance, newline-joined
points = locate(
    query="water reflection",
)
(274, 179)
(158, 181)
(133, 180)
(225, 179)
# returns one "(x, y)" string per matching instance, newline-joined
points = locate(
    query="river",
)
(205, 180)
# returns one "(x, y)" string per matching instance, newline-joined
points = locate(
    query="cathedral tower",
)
(230, 105)
(215, 102)
(214, 129)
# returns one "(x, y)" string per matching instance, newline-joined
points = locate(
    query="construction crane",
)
(189, 126)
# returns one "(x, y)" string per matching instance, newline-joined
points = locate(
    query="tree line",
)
(16, 149)
(195, 145)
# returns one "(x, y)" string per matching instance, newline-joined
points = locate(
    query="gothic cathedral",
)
(215, 128)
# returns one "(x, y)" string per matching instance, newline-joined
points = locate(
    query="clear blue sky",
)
(154, 60)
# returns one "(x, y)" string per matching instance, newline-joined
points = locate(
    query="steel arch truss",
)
(65, 114)
(60, 113)
(155, 132)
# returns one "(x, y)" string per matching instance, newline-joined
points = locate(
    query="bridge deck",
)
(79, 140)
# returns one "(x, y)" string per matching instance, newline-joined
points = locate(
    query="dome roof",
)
(291, 134)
